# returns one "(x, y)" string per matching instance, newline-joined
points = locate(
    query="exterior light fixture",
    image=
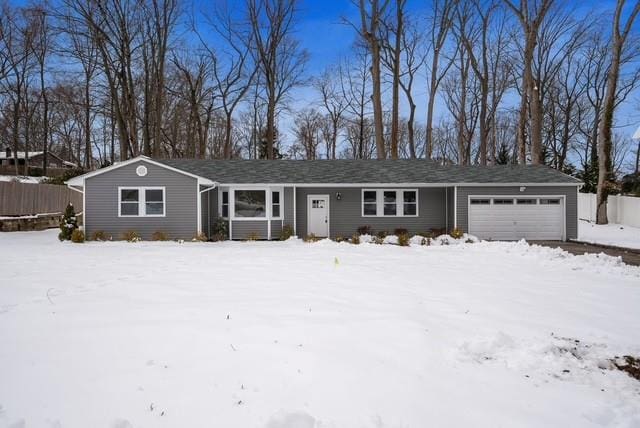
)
(338, 195)
(522, 188)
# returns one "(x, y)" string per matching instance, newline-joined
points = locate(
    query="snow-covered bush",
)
(199, 237)
(99, 235)
(400, 231)
(403, 240)
(339, 238)
(68, 224)
(77, 236)
(159, 235)
(365, 230)
(310, 238)
(456, 233)
(355, 239)
(286, 232)
(131, 236)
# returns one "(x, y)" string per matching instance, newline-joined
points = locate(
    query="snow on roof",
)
(3, 155)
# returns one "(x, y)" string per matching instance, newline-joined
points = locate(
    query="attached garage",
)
(504, 217)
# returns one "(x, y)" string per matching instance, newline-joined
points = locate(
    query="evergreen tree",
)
(68, 224)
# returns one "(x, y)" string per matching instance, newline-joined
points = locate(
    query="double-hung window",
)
(225, 204)
(389, 203)
(275, 204)
(141, 202)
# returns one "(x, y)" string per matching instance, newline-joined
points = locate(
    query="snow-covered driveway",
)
(294, 335)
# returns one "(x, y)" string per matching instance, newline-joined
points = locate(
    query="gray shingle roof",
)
(238, 171)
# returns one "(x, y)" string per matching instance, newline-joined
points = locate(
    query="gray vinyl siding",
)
(276, 228)
(101, 211)
(570, 193)
(345, 215)
(243, 228)
(450, 200)
(288, 206)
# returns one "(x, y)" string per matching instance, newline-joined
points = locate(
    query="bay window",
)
(389, 203)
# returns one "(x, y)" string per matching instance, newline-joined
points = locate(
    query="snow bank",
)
(22, 179)
(618, 235)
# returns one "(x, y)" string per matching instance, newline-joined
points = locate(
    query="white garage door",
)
(517, 217)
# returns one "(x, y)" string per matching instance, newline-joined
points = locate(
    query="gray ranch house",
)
(327, 198)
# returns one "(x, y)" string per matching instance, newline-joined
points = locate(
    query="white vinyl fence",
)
(620, 209)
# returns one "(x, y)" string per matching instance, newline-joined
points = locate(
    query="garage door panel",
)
(516, 221)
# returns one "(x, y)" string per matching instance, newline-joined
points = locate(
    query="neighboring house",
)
(182, 197)
(8, 158)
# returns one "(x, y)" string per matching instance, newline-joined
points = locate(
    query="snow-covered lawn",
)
(618, 235)
(295, 335)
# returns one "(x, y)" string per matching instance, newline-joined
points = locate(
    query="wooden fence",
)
(18, 199)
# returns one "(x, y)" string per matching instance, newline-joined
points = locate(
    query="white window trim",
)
(281, 203)
(142, 206)
(399, 202)
(221, 204)
(232, 203)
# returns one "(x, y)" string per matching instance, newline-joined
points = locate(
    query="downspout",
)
(446, 208)
(455, 207)
(295, 212)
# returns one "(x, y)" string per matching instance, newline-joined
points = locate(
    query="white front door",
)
(318, 215)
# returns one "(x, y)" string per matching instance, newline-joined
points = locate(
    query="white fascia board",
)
(395, 185)
(79, 180)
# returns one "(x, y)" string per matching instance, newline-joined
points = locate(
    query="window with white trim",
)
(276, 204)
(250, 203)
(141, 202)
(225, 204)
(389, 203)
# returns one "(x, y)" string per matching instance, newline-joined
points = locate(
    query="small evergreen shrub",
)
(456, 233)
(378, 240)
(400, 231)
(99, 235)
(340, 238)
(425, 241)
(355, 239)
(310, 238)
(403, 240)
(220, 231)
(131, 236)
(77, 236)
(159, 236)
(286, 232)
(365, 230)
(68, 224)
(382, 234)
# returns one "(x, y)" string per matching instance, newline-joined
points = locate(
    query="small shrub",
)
(425, 241)
(159, 236)
(99, 235)
(131, 236)
(310, 238)
(365, 230)
(403, 240)
(378, 240)
(252, 236)
(220, 230)
(286, 232)
(77, 236)
(400, 231)
(340, 238)
(469, 241)
(199, 237)
(382, 234)
(68, 224)
(456, 233)
(355, 239)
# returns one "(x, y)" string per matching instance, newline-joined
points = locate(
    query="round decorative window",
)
(141, 171)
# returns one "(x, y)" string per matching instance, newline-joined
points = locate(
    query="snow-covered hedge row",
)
(419, 240)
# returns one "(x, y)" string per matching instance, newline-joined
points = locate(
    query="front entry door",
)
(318, 215)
